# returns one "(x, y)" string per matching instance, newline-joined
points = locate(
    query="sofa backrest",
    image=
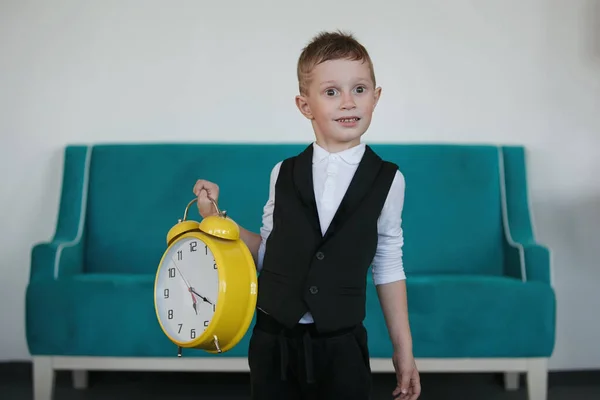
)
(137, 192)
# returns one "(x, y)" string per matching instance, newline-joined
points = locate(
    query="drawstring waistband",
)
(303, 333)
(308, 359)
(308, 356)
(283, 351)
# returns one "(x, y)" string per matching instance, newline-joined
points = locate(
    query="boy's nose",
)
(347, 102)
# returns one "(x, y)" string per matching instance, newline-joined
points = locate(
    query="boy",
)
(333, 211)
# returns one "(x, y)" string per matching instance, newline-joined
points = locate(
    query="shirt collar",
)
(352, 155)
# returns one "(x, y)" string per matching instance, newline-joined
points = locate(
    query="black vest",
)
(304, 270)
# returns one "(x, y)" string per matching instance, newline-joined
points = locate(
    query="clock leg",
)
(217, 343)
(43, 378)
(178, 351)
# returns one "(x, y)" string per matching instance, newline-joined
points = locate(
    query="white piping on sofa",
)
(83, 209)
(507, 234)
(531, 218)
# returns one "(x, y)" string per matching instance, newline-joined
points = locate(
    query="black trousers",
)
(300, 363)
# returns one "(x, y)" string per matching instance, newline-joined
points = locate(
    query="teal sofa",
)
(479, 285)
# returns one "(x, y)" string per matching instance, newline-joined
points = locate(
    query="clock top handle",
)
(221, 213)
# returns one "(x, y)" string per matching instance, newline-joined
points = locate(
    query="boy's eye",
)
(360, 89)
(330, 92)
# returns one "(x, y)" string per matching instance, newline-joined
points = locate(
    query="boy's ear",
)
(303, 106)
(376, 95)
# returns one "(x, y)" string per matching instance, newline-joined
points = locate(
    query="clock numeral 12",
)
(193, 246)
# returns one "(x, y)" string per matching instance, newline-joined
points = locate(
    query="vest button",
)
(320, 256)
(314, 290)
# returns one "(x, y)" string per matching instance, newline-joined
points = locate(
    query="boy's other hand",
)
(204, 189)
(407, 375)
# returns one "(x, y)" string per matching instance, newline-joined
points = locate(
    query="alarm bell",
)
(219, 225)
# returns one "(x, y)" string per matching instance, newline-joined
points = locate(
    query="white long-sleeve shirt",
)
(332, 173)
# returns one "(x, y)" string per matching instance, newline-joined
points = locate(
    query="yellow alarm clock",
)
(205, 288)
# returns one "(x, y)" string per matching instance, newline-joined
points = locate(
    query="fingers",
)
(401, 392)
(408, 387)
(415, 384)
(412, 393)
(204, 188)
(416, 391)
(405, 384)
(415, 388)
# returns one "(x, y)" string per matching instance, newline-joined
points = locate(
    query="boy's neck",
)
(336, 147)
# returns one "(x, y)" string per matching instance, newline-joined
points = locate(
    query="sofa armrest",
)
(63, 255)
(529, 261)
(51, 260)
(526, 258)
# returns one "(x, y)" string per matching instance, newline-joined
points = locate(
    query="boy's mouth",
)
(348, 120)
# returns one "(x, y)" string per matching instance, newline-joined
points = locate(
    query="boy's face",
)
(340, 102)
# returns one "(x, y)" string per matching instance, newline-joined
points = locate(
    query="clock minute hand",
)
(186, 284)
(180, 274)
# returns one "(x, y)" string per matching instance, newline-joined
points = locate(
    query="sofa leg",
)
(43, 378)
(80, 379)
(537, 379)
(511, 380)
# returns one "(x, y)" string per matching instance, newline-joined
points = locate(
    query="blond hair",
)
(327, 46)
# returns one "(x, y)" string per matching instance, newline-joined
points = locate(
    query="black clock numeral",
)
(166, 293)
(206, 324)
(180, 326)
(179, 255)
(193, 246)
(170, 314)
(193, 334)
(205, 250)
(214, 308)
(171, 272)
(214, 264)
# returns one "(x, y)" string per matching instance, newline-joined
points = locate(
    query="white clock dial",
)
(187, 289)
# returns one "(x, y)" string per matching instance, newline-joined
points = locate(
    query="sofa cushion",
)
(451, 316)
(452, 212)
(471, 316)
(101, 315)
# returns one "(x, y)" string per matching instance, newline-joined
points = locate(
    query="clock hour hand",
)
(199, 295)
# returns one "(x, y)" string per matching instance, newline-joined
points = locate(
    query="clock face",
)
(187, 289)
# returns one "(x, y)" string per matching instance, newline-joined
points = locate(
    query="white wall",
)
(486, 71)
